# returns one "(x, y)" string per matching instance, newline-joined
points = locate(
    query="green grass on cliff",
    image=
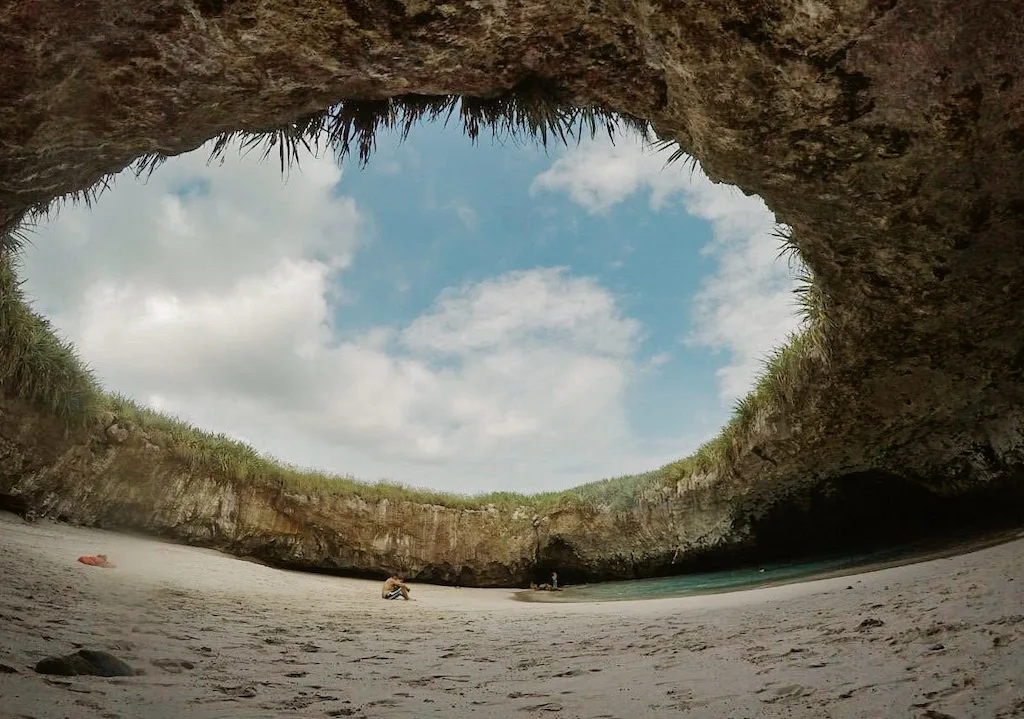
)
(38, 367)
(206, 452)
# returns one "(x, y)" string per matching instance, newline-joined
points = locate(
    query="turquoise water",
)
(746, 577)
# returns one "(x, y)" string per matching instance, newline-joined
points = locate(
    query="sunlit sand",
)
(221, 637)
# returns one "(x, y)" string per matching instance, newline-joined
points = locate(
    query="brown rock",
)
(117, 433)
(889, 136)
(85, 662)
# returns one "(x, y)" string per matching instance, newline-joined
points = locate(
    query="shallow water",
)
(781, 572)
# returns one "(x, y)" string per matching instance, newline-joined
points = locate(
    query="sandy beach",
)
(221, 637)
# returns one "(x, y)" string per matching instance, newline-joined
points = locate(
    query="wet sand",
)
(221, 637)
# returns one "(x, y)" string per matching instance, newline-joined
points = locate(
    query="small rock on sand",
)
(85, 662)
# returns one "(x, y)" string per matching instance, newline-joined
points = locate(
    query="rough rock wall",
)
(118, 480)
(888, 133)
(92, 478)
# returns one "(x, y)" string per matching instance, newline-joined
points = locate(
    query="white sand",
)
(268, 643)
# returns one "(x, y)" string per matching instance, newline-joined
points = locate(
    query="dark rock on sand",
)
(85, 662)
(870, 623)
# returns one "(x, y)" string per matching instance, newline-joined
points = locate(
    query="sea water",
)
(749, 577)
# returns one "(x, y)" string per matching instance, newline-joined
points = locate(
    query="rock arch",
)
(889, 134)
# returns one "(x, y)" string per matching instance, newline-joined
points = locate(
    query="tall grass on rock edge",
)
(786, 372)
(38, 367)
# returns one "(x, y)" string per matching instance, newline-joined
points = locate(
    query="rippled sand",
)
(221, 637)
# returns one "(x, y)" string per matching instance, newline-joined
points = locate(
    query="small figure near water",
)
(394, 587)
(100, 560)
(545, 587)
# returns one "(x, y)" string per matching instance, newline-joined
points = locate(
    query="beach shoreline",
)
(966, 546)
(222, 637)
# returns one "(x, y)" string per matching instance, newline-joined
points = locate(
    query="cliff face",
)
(118, 480)
(92, 478)
(888, 133)
(122, 481)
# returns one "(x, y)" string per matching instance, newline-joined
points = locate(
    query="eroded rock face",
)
(888, 133)
(86, 479)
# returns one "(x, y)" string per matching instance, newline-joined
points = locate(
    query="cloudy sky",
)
(460, 317)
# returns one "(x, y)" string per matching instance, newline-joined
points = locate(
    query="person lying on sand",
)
(100, 560)
(394, 588)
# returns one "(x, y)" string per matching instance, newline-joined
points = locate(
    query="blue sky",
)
(465, 317)
(455, 227)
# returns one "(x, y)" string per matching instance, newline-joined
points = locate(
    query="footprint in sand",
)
(245, 691)
(770, 695)
(570, 673)
(546, 707)
(174, 666)
(383, 703)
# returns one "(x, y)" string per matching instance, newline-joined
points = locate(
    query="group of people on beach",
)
(395, 587)
(546, 587)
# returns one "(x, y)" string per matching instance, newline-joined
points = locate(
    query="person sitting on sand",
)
(394, 588)
(100, 560)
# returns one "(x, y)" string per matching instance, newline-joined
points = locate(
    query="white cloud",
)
(211, 293)
(598, 174)
(745, 308)
(545, 307)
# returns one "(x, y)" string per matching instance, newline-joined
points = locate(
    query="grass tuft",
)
(35, 364)
(531, 111)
